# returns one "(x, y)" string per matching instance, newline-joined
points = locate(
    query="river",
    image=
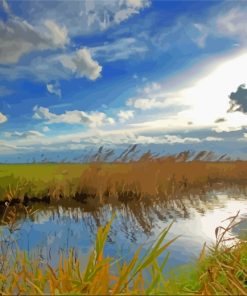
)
(52, 228)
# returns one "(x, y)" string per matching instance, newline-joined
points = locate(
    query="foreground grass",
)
(116, 181)
(220, 271)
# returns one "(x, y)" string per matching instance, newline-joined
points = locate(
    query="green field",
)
(41, 172)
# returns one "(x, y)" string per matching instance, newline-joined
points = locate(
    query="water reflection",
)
(55, 228)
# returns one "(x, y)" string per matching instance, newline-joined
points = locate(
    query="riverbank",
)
(115, 181)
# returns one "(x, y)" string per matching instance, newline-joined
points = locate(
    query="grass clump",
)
(220, 271)
(101, 276)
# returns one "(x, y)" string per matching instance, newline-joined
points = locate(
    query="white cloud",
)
(46, 129)
(203, 33)
(233, 23)
(58, 35)
(23, 135)
(144, 104)
(81, 64)
(84, 16)
(9, 148)
(92, 119)
(54, 67)
(227, 128)
(198, 95)
(127, 9)
(138, 3)
(120, 49)
(125, 115)
(152, 96)
(152, 88)
(18, 37)
(5, 6)
(78, 140)
(128, 137)
(229, 23)
(6, 148)
(213, 139)
(54, 88)
(3, 118)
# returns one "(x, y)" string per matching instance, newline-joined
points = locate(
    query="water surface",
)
(58, 228)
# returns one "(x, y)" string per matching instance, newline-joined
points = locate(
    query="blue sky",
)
(120, 72)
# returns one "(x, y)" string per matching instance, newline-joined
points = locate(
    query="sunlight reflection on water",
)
(56, 228)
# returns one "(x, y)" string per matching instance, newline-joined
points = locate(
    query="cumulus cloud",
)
(58, 35)
(77, 64)
(47, 29)
(54, 88)
(18, 37)
(150, 97)
(238, 100)
(24, 135)
(92, 119)
(125, 115)
(3, 118)
(81, 64)
(54, 67)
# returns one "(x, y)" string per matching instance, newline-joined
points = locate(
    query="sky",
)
(88, 73)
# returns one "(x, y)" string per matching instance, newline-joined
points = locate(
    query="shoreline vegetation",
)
(147, 179)
(220, 269)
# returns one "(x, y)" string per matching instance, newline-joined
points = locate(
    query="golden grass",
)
(157, 178)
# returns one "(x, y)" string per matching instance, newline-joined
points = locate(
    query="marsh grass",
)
(102, 183)
(220, 269)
